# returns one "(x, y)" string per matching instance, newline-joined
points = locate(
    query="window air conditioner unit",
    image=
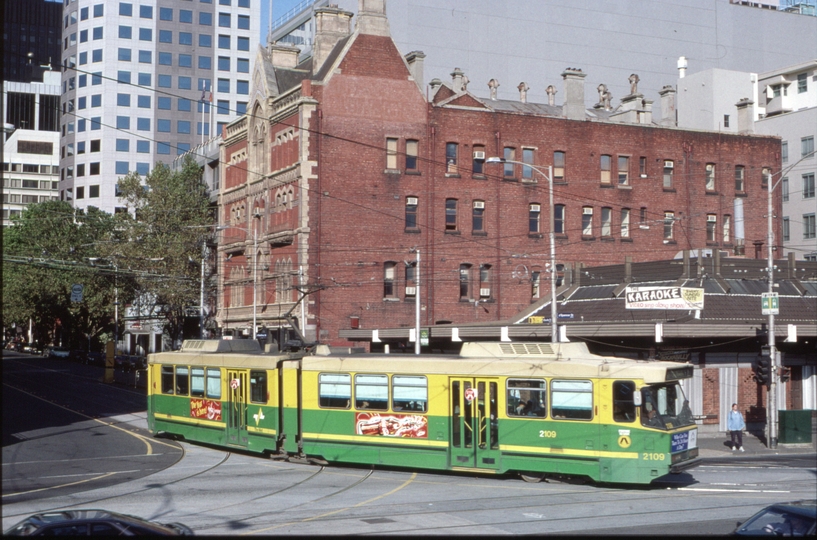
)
(712, 219)
(411, 291)
(587, 211)
(535, 208)
(669, 165)
(485, 292)
(479, 204)
(479, 155)
(411, 201)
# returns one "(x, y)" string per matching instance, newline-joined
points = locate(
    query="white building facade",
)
(145, 81)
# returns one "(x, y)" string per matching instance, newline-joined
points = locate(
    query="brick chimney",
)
(371, 18)
(331, 25)
(573, 108)
(414, 59)
(746, 116)
(667, 106)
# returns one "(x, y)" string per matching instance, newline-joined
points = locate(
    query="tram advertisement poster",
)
(409, 426)
(205, 408)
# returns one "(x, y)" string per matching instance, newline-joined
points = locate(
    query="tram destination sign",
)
(664, 298)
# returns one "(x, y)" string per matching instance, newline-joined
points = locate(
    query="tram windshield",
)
(664, 406)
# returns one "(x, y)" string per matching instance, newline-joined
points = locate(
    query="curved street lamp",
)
(554, 334)
(254, 233)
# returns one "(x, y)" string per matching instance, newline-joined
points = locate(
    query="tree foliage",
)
(169, 218)
(50, 248)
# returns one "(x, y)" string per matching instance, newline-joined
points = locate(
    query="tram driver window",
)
(182, 380)
(335, 390)
(571, 400)
(167, 379)
(372, 392)
(197, 382)
(409, 393)
(527, 397)
(623, 404)
(258, 386)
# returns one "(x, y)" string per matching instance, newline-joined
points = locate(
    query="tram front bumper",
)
(685, 460)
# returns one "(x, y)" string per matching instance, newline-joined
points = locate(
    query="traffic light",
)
(785, 374)
(764, 370)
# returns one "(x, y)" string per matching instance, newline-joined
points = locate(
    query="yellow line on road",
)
(395, 490)
(60, 486)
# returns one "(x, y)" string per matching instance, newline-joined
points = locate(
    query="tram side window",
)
(623, 404)
(182, 380)
(214, 383)
(167, 379)
(197, 382)
(527, 397)
(258, 386)
(409, 393)
(372, 392)
(571, 400)
(335, 390)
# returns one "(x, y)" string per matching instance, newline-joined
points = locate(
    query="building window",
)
(726, 120)
(224, 20)
(485, 281)
(784, 188)
(727, 229)
(535, 284)
(451, 158)
(623, 170)
(765, 176)
(243, 22)
(806, 146)
(739, 175)
(669, 222)
(534, 218)
(165, 36)
(391, 153)
(411, 212)
(558, 167)
(808, 226)
(587, 221)
(786, 235)
(143, 147)
(559, 219)
(625, 222)
(93, 191)
(711, 224)
(242, 87)
(411, 279)
(412, 152)
(185, 60)
(710, 177)
(465, 282)
(205, 18)
(808, 186)
(509, 168)
(165, 14)
(125, 9)
(477, 221)
(606, 221)
(242, 65)
(527, 157)
(206, 41)
(93, 168)
(185, 38)
(389, 288)
(242, 43)
(80, 191)
(96, 145)
(802, 82)
(163, 103)
(478, 163)
(605, 164)
(451, 214)
(784, 151)
(642, 167)
(80, 172)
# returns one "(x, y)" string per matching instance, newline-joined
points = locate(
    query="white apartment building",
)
(30, 143)
(145, 81)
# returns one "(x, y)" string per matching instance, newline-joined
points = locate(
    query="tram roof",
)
(478, 359)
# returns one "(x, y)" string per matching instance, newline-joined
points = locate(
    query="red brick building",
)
(347, 163)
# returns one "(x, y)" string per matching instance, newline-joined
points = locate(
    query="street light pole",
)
(775, 365)
(554, 331)
(201, 291)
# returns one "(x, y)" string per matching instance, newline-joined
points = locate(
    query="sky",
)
(279, 7)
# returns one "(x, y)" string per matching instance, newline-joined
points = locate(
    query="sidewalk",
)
(718, 445)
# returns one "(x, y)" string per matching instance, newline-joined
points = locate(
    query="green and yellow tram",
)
(537, 409)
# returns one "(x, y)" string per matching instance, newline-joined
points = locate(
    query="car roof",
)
(803, 508)
(47, 518)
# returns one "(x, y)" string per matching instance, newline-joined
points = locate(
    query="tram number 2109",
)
(545, 434)
(650, 456)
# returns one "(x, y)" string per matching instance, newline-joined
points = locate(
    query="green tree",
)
(50, 248)
(169, 213)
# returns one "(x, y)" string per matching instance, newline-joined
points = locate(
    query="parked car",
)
(95, 523)
(95, 359)
(60, 352)
(787, 519)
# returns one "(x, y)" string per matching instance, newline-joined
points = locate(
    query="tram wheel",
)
(532, 478)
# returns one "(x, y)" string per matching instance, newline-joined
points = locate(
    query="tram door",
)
(237, 405)
(474, 426)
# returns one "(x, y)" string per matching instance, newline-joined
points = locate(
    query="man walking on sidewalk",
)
(736, 425)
